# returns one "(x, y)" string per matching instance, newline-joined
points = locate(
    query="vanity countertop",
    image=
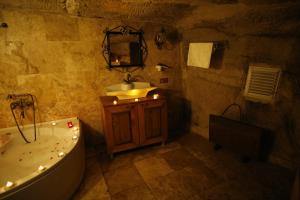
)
(109, 100)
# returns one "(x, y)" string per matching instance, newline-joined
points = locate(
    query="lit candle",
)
(61, 154)
(155, 96)
(74, 137)
(41, 168)
(9, 184)
(115, 102)
(136, 100)
(53, 123)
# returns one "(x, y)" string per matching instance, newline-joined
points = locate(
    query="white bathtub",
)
(58, 149)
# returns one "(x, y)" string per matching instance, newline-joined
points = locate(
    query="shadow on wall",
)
(92, 137)
(179, 114)
(217, 55)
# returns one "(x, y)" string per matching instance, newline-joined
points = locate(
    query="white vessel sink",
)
(139, 89)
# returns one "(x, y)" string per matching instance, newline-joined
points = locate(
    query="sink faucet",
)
(128, 79)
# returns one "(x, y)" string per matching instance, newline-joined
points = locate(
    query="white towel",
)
(200, 54)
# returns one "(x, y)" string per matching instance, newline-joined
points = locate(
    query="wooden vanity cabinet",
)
(131, 124)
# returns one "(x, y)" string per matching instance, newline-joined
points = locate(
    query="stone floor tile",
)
(186, 169)
(195, 197)
(119, 160)
(127, 158)
(152, 167)
(180, 158)
(224, 191)
(196, 143)
(93, 185)
(146, 152)
(140, 192)
(181, 184)
(271, 177)
(169, 147)
(122, 179)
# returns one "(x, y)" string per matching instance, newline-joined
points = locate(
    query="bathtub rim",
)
(41, 123)
(48, 171)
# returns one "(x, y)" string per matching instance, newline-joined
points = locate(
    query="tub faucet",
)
(22, 101)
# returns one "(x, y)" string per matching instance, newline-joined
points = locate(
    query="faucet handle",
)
(14, 105)
(10, 96)
(127, 78)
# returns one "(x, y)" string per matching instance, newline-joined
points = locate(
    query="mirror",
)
(124, 47)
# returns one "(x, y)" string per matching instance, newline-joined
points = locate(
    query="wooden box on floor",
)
(242, 138)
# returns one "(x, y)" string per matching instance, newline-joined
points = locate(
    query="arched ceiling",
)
(186, 14)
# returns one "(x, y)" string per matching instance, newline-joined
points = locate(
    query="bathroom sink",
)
(138, 90)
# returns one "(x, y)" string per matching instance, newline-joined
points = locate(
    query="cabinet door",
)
(153, 122)
(121, 127)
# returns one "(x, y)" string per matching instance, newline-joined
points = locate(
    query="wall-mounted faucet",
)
(21, 102)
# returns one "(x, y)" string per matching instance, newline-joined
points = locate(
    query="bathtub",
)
(49, 168)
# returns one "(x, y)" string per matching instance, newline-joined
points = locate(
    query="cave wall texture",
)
(255, 34)
(52, 48)
(58, 58)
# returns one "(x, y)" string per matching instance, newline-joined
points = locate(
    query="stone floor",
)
(187, 168)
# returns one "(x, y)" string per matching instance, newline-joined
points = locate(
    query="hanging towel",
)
(200, 54)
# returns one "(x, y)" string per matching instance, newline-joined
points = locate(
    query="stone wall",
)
(58, 58)
(210, 91)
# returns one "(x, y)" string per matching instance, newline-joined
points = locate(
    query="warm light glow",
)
(115, 102)
(41, 168)
(61, 154)
(133, 92)
(74, 137)
(155, 96)
(53, 123)
(9, 184)
(75, 128)
(136, 100)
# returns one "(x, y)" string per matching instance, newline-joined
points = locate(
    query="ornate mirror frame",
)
(124, 31)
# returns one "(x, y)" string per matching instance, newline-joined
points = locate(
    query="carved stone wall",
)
(264, 34)
(58, 58)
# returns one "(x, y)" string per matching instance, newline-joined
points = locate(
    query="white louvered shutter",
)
(262, 83)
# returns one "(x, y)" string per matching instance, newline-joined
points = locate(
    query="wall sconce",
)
(160, 38)
(161, 67)
(3, 25)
